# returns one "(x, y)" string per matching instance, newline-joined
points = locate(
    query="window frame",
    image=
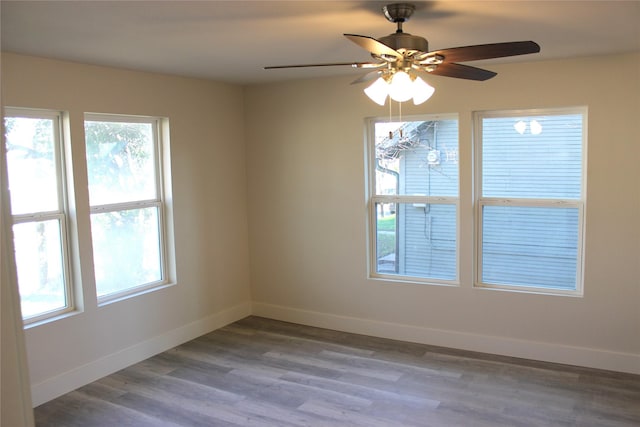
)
(61, 215)
(373, 199)
(158, 125)
(480, 202)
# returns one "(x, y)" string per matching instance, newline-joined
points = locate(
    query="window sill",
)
(54, 318)
(133, 293)
(530, 290)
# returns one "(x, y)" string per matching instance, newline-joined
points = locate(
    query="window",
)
(413, 199)
(530, 199)
(35, 173)
(128, 208)
(125, 177)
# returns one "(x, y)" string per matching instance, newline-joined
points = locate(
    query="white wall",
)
(209, 206)
(305, 164)
(15, 392)
(298, 183)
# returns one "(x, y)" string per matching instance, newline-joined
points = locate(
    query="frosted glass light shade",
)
(421, 91)
(536, 127)
(401, 87)
(378, 91)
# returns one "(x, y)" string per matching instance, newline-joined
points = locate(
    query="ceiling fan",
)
(399, 56)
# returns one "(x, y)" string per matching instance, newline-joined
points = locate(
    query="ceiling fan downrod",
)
(398, 13)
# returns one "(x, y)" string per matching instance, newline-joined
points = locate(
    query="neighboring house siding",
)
(521, 244)
(430, 246)
(525, 245)
(427, 232)
(511, 163)
(522, 247)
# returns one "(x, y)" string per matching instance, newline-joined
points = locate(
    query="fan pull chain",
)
(391, 112)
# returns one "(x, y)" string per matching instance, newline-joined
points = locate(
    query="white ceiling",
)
(232, 41)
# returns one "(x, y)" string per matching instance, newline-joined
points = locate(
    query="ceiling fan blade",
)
(333, 64)
(366, 77)
(487, 51)
(374, 46)
(460, 71)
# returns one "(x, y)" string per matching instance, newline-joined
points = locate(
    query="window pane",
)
(40, 267)
(31, 165)
(126, 247)
(120, 162)
(530, 246)
(532, 156)
(417, 158)
(416, 240)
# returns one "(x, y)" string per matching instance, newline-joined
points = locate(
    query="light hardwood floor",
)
(260, 372)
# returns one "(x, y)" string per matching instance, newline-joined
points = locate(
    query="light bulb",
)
(421, 91)
(401, 87)
(536, 127)
(378, 91)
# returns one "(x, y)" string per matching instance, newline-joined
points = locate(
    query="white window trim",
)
(480, 201)
(373, 199)
(61, 215)
(160, 202)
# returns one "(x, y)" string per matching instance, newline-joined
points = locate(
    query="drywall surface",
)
(307, 216)
(15, 392)
(299, 184)
(208, 197)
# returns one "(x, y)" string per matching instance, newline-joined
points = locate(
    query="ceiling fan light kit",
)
(421, 91)
(378, 91)
(400, 59)
(400, 87)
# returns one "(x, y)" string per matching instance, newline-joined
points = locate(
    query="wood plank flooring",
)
(260, 372)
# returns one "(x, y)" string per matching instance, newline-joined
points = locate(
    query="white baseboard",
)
(557, 353)
(82, 375)
(578, 356)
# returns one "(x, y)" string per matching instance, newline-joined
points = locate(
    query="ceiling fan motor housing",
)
(406, 41)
